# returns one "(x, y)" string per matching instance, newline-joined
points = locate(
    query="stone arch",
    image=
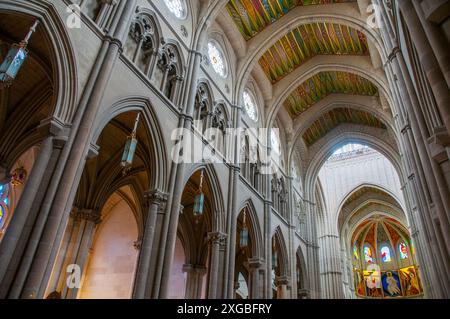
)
(301, 263)
(376, 79)
(63, 55)
(144, 34)
(322, 152)
(280, 246)
(158, 150)
(254, 229)
(296, 17)
(306, 119)
(218, 206)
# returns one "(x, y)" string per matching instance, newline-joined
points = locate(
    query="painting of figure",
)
(391, 284)
(410, 281)
(359, 283)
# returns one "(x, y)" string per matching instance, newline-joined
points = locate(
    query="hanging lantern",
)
(18, 176)
(14, 59)
(243, 236)
(199, 200)
(130, 148)
(274, 256)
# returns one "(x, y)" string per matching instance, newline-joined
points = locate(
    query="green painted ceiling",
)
(323, 84)
(335, 117)
(307, 41)
(252, 16)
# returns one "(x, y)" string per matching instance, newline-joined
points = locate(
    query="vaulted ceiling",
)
(300, 45)
(307, 41)
(252, 16)
(380, 229)
(323, 84)
(335, 117)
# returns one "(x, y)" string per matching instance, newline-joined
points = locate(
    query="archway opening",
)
(113, 259)
(197, 233)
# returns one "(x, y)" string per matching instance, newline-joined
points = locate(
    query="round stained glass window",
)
(216, 59)
(250, 106)
(177, 7)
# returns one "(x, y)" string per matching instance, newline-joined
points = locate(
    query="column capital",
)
(282, 280)
(155, 197)
(255, 263)
(86, 214)
(217, 237)
(198, 269)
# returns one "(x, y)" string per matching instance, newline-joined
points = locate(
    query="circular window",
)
(250, 105)
(177, 7)
(216, 59)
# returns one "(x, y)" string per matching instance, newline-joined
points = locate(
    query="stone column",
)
(256, 284)
(282, 284)
(330, 270)
(194, 280)
(155, 200)
(312, 252)
(428, 60)
(233, 212)
(437, 39)
(88, 220)
(177, 176)
(56, 213)
(215, 239)
(20, 226)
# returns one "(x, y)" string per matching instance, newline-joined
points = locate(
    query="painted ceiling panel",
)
(323, 84)
(252, 16)
(338, 116)
(307, 41)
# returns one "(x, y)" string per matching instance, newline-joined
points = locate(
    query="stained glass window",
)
(250, 106)
(4, 199)
(4, 202)
(368, 255)
(385, 254)
(403, 250)
(355, 252)
(177, 7)
(216, 59)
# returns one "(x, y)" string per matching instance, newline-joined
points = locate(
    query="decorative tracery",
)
(216, 59)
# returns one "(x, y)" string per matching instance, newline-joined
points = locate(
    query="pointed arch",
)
(280, 245)
(254, 229)
(217, 200)
(158, 150)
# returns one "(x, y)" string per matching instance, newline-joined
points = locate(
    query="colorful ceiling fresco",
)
(307, 41)
(252, 16)
(323, 84)
(338, 116)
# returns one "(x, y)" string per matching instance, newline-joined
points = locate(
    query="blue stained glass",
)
(2, 215)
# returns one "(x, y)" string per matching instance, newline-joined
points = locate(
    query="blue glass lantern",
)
(130, 148)
(14, 60)
(128, 152)
(274, 259)
(243, 235)
(199, 200)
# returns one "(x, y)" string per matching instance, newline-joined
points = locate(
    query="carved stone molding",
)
(86, 214)
(156, 197)
(217, 237)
